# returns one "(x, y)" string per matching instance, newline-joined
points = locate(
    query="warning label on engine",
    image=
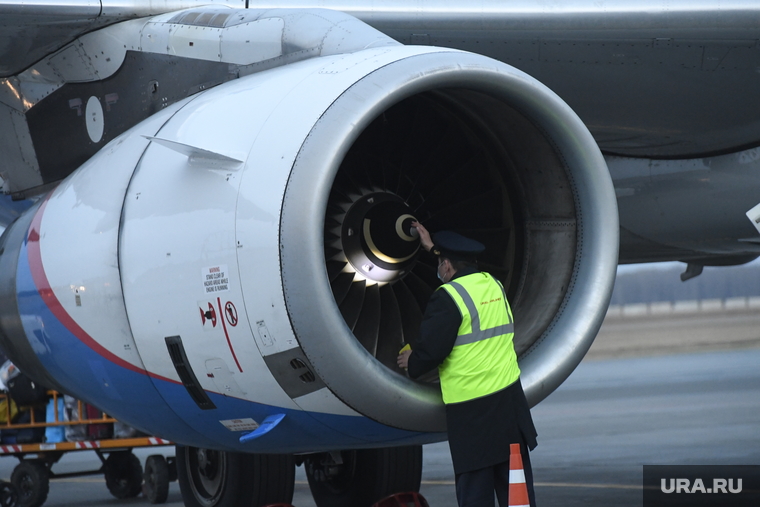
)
(246, 424)
(216, 279)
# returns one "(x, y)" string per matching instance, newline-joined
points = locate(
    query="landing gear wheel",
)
(8, 495)
(123, 474)
(171, 462)
(156, 478)
(361, 478)
(31, 479)
(209, 478)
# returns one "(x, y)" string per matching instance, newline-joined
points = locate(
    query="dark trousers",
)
(476, 488)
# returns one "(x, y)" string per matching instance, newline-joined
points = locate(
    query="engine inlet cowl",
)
(458, 142)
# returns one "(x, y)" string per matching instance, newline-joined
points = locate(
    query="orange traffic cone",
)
(518, 490)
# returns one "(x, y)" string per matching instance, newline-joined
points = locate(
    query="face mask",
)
(438, 273)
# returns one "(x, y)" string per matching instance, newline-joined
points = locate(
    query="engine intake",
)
(459, 143)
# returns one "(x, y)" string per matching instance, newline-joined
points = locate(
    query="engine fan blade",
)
(436, 165)
(331, 252)
(341, 285)
(454, 184)
(427, 271)
(357, 169)
(336, 206)
(346, 185)
(367, 327)
(391, 337)
(351, 306)
(331, 223)
(485, 208)
(419, 289)
(411, 315)
(334, 268)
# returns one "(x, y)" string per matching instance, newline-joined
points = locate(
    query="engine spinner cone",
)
(377, 237)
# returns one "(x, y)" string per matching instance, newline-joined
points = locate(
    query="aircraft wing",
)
(29, 31)
(616, 64)
(650, 79)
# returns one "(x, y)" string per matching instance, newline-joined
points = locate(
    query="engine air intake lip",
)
(534, 189)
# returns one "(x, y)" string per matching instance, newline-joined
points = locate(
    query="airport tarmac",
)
(611, 416)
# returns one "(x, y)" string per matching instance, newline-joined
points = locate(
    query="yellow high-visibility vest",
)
(483, 359)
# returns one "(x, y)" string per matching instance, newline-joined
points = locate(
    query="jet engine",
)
(235, 270)
(244, 256)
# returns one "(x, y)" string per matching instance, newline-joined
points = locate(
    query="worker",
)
(467, 333)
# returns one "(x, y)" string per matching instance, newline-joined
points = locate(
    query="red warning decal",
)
(208, 315)
(231, 313)
(224, 326)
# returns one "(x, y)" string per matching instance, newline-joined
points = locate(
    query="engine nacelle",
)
(246, 252)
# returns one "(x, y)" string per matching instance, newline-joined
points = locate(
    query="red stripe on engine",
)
(52, 302)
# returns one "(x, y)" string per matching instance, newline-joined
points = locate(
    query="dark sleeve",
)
(438, 332)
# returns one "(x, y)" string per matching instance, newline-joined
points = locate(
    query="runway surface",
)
(595, 432)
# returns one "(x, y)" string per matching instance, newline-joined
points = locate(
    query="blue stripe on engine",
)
(165, 409)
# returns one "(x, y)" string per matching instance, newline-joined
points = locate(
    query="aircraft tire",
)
(156, 478)
(209, 478)
(365, 476)
(124, 474)
(8, 495)
(31, 480)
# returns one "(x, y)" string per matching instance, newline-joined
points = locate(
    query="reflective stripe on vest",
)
(483, 359)
(477, 333)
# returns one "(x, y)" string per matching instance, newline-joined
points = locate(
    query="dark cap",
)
(455, 246)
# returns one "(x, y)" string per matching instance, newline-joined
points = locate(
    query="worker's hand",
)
(403, 359)
(425, 240)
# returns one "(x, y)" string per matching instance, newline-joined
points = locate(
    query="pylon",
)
(518, 490)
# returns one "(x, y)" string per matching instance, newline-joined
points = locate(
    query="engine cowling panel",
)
(236, 228)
